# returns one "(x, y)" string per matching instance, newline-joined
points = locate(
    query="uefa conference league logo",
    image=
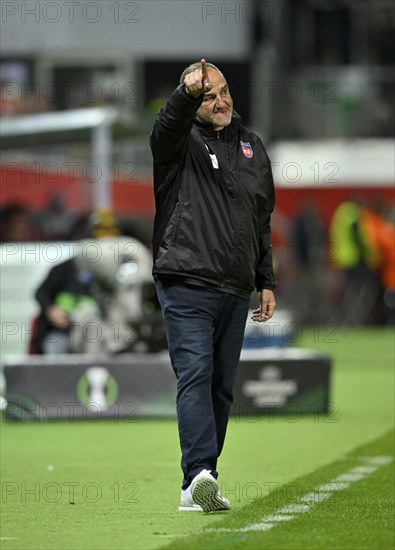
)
(97, 387)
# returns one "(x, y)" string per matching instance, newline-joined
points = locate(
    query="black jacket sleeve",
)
(173, 124)
(264, 272)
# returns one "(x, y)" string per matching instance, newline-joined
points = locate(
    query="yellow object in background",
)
(104, 224)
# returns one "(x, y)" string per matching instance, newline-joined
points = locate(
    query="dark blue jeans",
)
(205, 330)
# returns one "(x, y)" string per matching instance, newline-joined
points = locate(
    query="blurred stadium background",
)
(81, 83)
(80, 86)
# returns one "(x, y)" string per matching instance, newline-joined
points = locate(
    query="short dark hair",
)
(194, 67)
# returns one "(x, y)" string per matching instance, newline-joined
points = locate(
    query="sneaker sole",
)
(205, 494)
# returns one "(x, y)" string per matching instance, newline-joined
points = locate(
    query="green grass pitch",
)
(99, 485)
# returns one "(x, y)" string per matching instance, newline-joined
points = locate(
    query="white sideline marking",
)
(319, 494)
(8, 538)
(172, 535)
(364, 469)
(279, 517)
(257, 527)
(379, 460)
(332, 487)
(252, 527)
(315, 497)
(295, 509)
(350, 477)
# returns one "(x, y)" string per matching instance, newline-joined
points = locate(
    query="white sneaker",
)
(187, 504)
(205, 493)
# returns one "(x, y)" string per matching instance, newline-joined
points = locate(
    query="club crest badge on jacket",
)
(247, 149)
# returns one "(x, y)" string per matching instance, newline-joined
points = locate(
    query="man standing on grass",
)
(214, 197)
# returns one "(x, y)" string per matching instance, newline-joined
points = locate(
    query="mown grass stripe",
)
(296, 508)
(265, 532)
(291, 511)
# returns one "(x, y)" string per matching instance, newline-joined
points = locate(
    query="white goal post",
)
(99, 120)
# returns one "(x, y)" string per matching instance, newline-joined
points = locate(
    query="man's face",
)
(217, 104)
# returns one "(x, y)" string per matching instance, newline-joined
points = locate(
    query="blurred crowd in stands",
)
(342, 272)
(56, 222)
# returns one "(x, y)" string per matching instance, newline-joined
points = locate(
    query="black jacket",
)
(213, 201)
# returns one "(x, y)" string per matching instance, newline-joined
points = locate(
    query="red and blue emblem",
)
(247, 149)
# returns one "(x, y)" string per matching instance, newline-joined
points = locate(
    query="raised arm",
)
(174, 121)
